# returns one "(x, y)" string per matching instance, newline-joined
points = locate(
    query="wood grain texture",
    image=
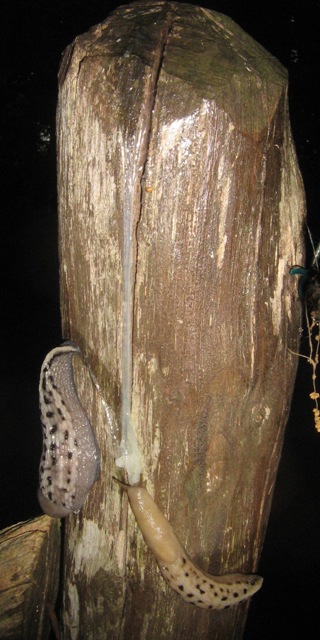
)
(173, 113)
(29, 578)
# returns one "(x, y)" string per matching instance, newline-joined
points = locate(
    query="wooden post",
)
(173, 119)
(29, 578)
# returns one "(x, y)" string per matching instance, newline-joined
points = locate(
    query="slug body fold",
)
(189, 581)
(70, 461)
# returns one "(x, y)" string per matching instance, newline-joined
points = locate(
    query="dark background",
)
(34, 35)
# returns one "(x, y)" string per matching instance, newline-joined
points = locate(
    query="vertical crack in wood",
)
(132, 212)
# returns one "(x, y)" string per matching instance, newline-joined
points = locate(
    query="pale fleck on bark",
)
(172, 114)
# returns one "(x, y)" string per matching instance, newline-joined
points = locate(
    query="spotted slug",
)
(191, 583)
(70, 461)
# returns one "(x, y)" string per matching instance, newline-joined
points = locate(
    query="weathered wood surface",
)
(29, 577)
(171, 114)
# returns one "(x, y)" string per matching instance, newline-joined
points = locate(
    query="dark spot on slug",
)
(184, 560)
(50, 495)
(187, 575)
(200, 602)
(199, 588)
(70, 455)
(51, 379)
(49, 414)
(224, 598)
(46, 400)
(53, 429)
(244, 590)
(236, 595)
(190, 595)
(181, 587)
(66, 434)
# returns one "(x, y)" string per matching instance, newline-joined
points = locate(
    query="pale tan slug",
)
(191, 583)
